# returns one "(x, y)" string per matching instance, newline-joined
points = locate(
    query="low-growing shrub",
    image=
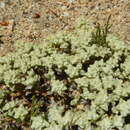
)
(76, 80)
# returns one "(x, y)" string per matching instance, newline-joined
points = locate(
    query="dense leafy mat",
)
(76, 80)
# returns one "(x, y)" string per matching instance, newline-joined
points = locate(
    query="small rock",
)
(63, 7)
(71, 1)
(66, 14)
(2, 5)
(11, 25)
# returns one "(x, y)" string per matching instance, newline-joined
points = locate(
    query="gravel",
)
(33, 20)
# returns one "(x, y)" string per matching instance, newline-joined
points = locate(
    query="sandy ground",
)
(33, 20)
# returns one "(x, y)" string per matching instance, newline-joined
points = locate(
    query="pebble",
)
(71, 1)
(2, 5)
(65, 14)
(63, 7)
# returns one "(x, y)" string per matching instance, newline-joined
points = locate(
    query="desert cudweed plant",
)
(72, 81)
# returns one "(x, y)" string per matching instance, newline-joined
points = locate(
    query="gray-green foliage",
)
(67, 82)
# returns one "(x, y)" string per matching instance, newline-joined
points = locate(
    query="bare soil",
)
(33, 20)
